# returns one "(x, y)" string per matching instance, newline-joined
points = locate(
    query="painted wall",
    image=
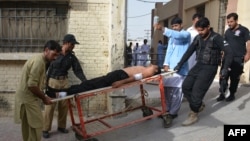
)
(244, 19)
(212, 13)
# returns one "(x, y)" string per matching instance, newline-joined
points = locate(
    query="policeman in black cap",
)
(57, 79)
(70, 38)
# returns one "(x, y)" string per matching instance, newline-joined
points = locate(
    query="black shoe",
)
(45, 134)
(146, 111)
(62, 130)
(230, 98)
(160, 116)
(221, 97)
(92, 139)
(174, 116)
(202, 107)
(167, 120)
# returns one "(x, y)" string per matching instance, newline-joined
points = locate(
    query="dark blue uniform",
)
(60, 67)
(201, 76)
(237, 39)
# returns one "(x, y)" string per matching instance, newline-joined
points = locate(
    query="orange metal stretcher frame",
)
(80, 129)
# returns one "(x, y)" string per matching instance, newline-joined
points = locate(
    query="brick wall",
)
(10, 74)
(99, 26)
(7, 104)
(89, 22)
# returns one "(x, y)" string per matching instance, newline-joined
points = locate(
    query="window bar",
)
(9, 42)
(30, 31)
(1, 32)
(15, 35)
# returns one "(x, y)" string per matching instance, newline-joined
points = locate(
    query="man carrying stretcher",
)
(115, 78)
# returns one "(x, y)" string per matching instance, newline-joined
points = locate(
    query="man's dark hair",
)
(202, 23)
(130, 44)
(145, 41)
(234, 15)
(176, 20)
(197, 15)
(52, 45)
(158, 71)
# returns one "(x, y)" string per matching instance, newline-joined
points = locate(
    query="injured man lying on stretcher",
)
(115, 79)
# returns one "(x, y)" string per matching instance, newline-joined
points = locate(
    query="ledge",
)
(16, 56)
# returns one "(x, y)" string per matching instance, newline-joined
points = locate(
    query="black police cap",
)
(70, 38)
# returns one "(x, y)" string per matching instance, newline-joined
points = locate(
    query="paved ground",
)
(208, 128)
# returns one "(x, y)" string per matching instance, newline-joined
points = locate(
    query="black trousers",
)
(196, 84)
(234, 76)
(99, 82)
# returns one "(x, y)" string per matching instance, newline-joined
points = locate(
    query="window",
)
(26, 26)
(201, 9)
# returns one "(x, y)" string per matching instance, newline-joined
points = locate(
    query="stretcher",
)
(148, 112)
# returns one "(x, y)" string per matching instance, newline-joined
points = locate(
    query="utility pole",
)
(147, 34)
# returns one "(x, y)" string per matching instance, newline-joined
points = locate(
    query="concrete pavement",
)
(208, 128)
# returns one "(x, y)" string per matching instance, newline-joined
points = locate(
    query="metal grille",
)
(26, 27)
(222, 16)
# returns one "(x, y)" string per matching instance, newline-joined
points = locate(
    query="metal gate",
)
(26, 26)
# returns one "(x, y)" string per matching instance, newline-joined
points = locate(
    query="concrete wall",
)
(192, 3)
(167, 10)
(212, 13)
(187, 17)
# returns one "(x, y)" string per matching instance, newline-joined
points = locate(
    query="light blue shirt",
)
(178, 44)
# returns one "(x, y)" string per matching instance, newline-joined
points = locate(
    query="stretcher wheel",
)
(146, 111)
(91, 139)
(80, 138)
